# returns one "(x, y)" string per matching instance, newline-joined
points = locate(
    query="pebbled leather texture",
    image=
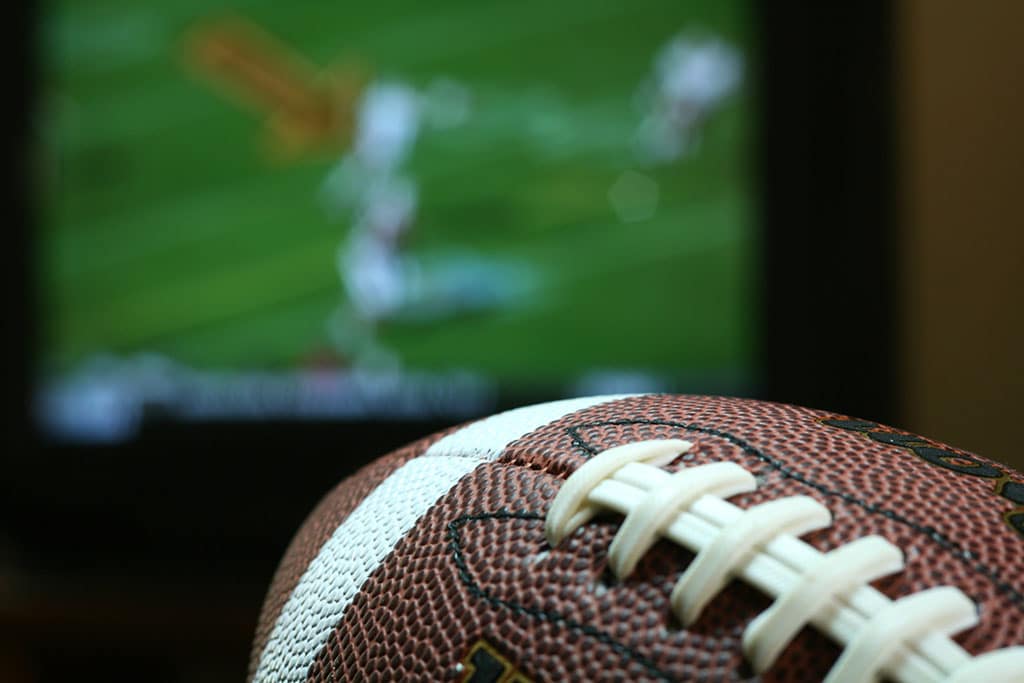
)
(476, 567)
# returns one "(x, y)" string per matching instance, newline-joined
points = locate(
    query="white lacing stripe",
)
(998, 666)
(731, 548)
(642, 528)
(908, 639)
(570, 508)
(944, 610)
(858, 562)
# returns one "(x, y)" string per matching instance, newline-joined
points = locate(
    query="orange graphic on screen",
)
(308, 109)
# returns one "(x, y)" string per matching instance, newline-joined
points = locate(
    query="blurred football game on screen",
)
(390, 208)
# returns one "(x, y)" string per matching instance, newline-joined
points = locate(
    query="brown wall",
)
(961, 101)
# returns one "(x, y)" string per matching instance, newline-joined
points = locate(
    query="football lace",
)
(907, 639)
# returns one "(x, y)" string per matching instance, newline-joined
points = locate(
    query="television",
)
(321, 213)
(319, 224)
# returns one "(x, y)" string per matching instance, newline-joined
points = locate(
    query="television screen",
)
(338, 210)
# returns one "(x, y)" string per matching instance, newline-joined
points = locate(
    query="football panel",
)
(952, 520)
(477, 569)
(553, 613)
(359, 540)
(317, 528)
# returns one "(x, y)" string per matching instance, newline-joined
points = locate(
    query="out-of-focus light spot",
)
(634, 197)
(622, 381)
(446, 103)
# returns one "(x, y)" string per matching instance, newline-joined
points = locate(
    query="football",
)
(657, 537)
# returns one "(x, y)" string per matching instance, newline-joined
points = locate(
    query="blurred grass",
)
(167, 228)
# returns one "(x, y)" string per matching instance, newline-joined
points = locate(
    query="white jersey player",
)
(692, 76)
(369, 188)
(378, 279)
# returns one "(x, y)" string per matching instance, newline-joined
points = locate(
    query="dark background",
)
(893, 273)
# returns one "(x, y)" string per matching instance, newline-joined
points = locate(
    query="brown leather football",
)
(657, 537)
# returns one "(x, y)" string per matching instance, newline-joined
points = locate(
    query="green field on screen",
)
(165, 226)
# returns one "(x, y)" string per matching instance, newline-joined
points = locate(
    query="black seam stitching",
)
(458, 556)
(933, 534)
